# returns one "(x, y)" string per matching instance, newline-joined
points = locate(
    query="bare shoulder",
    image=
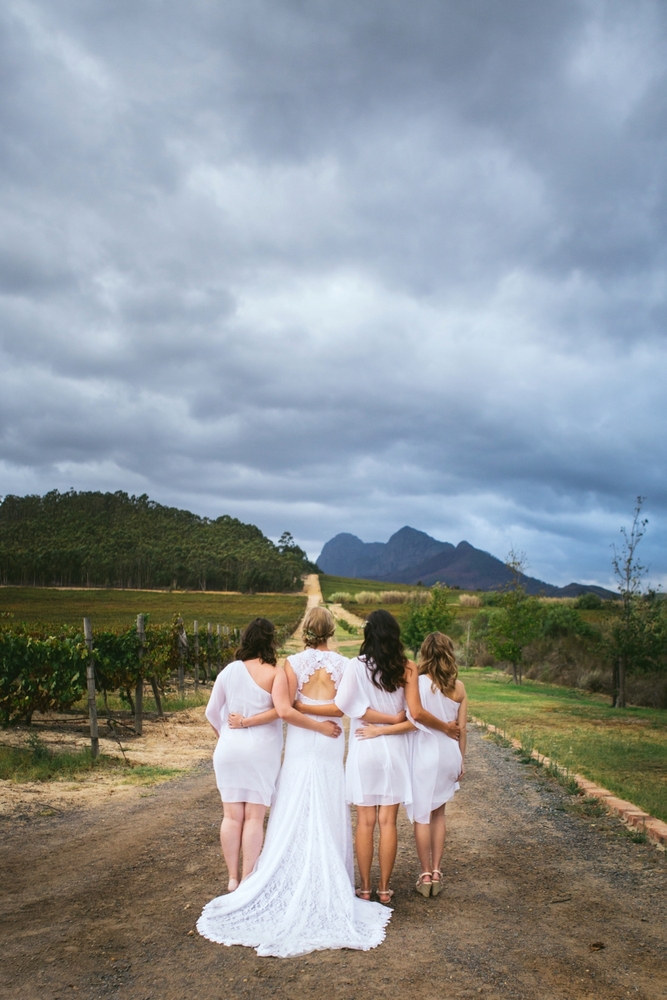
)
(459, 691)
(411, 670)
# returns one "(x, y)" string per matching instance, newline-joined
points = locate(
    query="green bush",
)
(436, 616)
(588, 602)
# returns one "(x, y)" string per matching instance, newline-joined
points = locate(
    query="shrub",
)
(470, 601)
(588, 602)
(340, 597)
(367, 597)
(436, 616)
(492, 599)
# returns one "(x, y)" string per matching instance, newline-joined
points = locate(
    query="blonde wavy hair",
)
(318, 626)
(437, 660)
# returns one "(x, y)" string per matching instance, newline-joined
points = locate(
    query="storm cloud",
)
(342, 267)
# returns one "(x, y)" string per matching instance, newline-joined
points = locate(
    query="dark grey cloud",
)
(336, 266)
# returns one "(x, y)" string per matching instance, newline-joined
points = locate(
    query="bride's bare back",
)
(320, 686)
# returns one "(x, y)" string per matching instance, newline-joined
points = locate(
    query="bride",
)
(300, 895)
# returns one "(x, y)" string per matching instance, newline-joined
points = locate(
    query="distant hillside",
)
(115, 540)
(412, 556)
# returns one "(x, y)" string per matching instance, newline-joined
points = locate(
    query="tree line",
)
(94, 539)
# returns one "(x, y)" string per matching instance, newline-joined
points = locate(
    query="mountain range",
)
(412, 556)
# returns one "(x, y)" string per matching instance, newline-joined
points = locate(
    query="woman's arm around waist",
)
(417, 710)
(282, 699)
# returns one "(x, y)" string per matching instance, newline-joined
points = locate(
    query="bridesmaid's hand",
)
(235, 720)
(452, 730)
(463, 771)
(368, 732)
(299, 706)
(330, 728)
(399, 717)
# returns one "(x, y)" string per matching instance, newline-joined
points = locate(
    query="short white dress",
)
(436, 758)
(246, 761)
(377, 772)
(300, 895)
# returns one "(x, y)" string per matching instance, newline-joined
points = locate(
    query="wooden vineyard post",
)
(196, 631)
(219, 663)
(90, 680)
(139, 690)
(182, 645)
(209, 643)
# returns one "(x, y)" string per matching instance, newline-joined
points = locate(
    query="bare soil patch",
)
(181, 741)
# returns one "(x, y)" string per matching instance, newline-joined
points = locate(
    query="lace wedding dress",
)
(300, 896)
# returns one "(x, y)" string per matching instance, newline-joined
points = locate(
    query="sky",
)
(329, 266)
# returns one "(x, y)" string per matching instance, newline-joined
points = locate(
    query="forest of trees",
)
(115, 540)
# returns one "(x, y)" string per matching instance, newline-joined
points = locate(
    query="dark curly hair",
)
(258, 640)
(383, 651)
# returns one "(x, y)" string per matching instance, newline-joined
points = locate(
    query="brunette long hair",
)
(259, 641)
(383, 651)
(437, 660)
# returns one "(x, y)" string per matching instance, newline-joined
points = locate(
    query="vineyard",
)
(45, 667)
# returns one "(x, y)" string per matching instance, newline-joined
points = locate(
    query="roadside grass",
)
(38, 762)
(625, 750)
(119, 608)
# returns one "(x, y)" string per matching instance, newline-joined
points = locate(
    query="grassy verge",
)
(37, 762)
(119, 608)
(623, 750)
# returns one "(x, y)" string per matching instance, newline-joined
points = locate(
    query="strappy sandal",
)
(385, 892)
(363, 894)
(436, 883)
(423, 886)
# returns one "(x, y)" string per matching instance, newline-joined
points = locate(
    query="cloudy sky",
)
(338, 266)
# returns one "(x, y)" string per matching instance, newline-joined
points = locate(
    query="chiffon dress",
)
(300, 895)
(377, 772)
(246, 761)
(436, 758)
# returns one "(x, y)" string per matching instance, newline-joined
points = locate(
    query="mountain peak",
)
(412, 556)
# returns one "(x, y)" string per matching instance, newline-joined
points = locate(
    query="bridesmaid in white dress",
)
(250, 741)
(437, 705)
(437, 759)
(377, 770)
(300, 897)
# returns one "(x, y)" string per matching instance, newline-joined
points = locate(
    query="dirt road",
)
(102, 903)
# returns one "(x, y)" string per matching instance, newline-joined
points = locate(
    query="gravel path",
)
(101, 903)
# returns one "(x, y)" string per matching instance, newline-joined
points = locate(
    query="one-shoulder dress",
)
(300, 895)
(377, 772)
(436, 757)
(246, 761)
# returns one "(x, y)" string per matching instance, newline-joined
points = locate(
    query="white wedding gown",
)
(300, 896)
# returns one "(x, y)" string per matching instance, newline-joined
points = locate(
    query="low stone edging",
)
(630, 814)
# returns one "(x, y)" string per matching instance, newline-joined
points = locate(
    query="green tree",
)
(628, 635)
(514, 626)
(436, 616)
(518, 620)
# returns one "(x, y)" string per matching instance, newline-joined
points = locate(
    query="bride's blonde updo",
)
(318, 626)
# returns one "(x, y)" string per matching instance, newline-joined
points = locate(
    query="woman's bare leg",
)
(231, 830)
(253, 835)
(388, 843)
(366, 816)
(438, 832)
(423, 844)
